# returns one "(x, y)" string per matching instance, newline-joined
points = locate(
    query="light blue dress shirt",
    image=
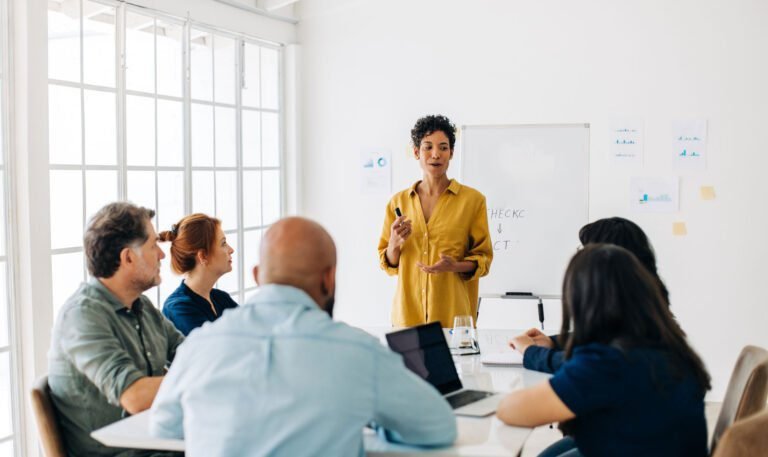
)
(278, 377)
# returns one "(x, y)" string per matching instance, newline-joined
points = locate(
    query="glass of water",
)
(463, 334)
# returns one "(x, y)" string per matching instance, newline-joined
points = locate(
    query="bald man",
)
(279, 377)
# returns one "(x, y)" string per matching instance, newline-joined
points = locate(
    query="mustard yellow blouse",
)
(459, 228)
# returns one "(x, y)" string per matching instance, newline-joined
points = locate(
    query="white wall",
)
(370, 69)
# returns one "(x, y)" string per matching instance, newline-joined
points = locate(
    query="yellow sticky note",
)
(707, 192)
(679, 229)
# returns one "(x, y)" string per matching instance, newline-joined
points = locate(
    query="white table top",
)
(485, 436)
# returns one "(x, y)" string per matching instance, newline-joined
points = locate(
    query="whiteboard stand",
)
(520, 296)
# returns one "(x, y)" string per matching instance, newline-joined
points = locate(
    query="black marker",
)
(397, 212)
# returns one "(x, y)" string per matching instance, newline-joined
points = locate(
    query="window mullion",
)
(120, 63)
(187, 109)
(239, 66)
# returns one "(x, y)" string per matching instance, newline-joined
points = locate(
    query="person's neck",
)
(201, 282)
(125, 294)
(432, 185)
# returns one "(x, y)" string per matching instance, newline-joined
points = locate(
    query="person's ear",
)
(416, 152)
(201, 257)
(329, 281)
(451, 156)
(127, 256)
(256, 274)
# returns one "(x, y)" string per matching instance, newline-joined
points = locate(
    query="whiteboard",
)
(536, 182)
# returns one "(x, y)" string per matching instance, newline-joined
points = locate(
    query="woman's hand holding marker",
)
(400, 231)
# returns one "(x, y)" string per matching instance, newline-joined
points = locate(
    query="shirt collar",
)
(278, 293)
(116, 304)
(453, 187)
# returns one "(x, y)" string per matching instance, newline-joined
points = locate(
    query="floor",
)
(544, 436)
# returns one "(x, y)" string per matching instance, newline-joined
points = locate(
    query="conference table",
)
(486, 436)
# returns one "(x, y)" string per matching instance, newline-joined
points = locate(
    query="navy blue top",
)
(187, 310)
(543, 359)
(629, 404)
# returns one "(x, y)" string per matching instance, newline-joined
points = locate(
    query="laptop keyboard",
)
(466, 397)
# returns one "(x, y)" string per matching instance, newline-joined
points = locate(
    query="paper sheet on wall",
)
(679, 228)
(707, 192)
(690, 144)
(654, 195)
(626, 141)
(375, 169)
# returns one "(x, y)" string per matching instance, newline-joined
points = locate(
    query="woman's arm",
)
(533, 406)
(394, 233)
(480, 251)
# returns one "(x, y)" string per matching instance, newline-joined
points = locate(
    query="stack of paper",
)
(502, 358)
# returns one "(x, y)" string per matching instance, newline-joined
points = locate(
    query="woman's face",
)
(434, 154)
(220, 257)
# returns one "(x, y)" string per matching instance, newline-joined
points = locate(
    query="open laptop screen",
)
(425, 352)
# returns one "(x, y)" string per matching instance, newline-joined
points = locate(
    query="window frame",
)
(122, 10)
(7, 167)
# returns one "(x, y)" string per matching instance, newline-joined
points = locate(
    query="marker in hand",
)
(398, 213)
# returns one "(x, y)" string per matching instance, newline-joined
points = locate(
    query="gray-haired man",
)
(110, 346)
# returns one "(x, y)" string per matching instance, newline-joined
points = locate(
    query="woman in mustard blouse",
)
(440, 246)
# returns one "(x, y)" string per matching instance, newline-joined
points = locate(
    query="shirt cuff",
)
(121, 383)
(384, 264)
(481, 269)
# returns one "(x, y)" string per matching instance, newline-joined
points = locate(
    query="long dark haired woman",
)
(544, 353)
(630, 384)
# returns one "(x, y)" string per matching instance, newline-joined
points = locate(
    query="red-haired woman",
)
(200, 252)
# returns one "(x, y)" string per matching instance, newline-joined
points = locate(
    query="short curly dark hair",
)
(115, 227)
(428, 125)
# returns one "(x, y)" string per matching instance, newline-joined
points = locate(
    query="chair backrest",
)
(747, 390)
(745, 438)
(45, 417)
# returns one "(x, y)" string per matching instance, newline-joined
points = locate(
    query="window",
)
(190, 121)
(7, 385)
(154, 129)
(82, 137)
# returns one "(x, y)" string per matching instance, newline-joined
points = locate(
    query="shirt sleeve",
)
(175, 338)
(166, 417)
(591, 379)
(89, 342)
(389, 218)
(399, 394)
(542, 359)
(480, 250)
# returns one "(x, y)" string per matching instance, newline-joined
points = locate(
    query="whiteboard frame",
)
(585, 125)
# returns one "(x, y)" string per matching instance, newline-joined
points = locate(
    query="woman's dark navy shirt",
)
(187, 310)
(628, 403)
(543, 359)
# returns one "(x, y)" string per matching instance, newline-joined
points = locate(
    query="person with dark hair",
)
(542, 352)
(110, 345)
(439, 245)
(199, 250)
(630, 384)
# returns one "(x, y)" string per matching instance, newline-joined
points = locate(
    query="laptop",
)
(425, 352)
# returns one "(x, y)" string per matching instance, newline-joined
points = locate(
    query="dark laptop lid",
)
(425, 352)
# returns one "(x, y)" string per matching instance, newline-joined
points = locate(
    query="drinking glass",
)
(463, 335)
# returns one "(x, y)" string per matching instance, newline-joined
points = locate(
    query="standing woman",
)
(440, 246)
(200, 252)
